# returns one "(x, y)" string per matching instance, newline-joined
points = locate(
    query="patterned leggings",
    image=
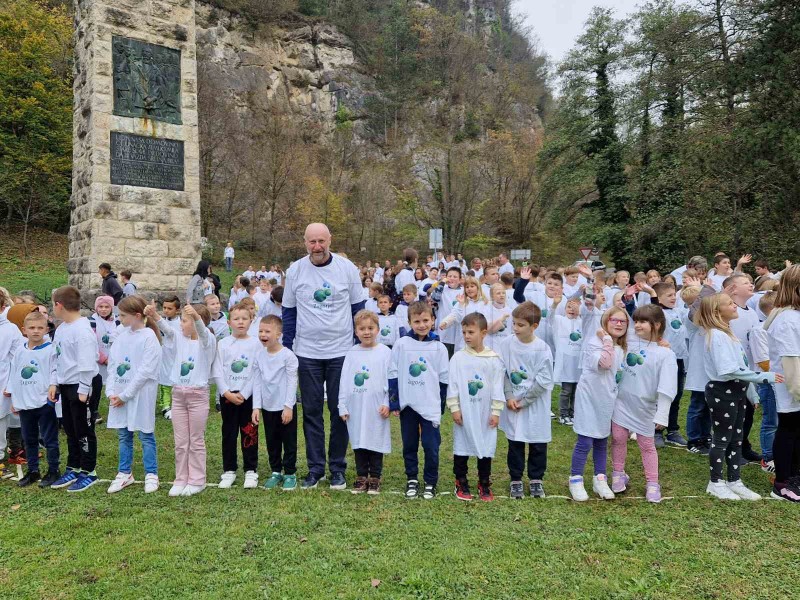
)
(727, 401)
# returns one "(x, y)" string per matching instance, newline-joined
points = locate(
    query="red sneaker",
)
(17, 457)
(462, 490)
(485, 492)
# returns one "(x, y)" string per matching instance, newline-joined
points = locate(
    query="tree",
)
(35, 113)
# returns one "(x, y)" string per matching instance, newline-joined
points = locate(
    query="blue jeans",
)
(40, 422)
(228, 264)
(149, 454)
(698, 419)
(313, 373)
(769, 418)
(411, 426)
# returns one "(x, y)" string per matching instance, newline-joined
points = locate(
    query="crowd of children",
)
(483, 344)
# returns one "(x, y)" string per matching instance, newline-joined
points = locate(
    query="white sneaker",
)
(168, 414)
(719, 489)
(250, 480)
(577, 490)
(740, 489)
(121, 481)
(227, 479)
(191, 490)
(632, 436)
(150, 483)
(600, 487)
(176, 490)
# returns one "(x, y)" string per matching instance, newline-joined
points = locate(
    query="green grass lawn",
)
(322, 543)
(254, 543)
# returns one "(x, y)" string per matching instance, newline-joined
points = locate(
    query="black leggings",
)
(369, 463)
(460, 467)
(786, 447)
(727, 401)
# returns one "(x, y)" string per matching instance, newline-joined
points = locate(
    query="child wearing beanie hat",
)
(104, 324)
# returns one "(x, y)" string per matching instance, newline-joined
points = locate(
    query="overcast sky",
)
(558, 22)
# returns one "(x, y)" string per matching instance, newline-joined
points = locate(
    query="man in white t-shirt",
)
(477, 268)
(229, 254)
(505, 265)
(322, 292)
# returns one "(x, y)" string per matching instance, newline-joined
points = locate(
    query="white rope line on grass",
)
(497, 497)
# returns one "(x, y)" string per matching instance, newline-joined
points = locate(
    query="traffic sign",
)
(520, 254)
(586, 252)
(435, 239)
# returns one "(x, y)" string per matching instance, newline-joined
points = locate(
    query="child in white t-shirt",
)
(194, 349)
(401, 312)
(645, 393)
(132, 386)
(596, 394)
(783, 330)
(529, 380)
(388, 331)
(475, 398)
(498, 315)
(274, 403)
(364, 401)
(568, 339)
(233, 370)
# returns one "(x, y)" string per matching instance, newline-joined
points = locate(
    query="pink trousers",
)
(647, 446)
(189, 417)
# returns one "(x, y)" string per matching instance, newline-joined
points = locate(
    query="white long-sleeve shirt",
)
(76, 354)
(193, 359)
(274, 380)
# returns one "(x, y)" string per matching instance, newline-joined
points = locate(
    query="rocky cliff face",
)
(308, 66)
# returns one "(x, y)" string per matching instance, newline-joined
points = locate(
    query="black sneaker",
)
(50, 478)
(516, 490)
(698, 448)
(412, 489)
(788, 491)
(751, 456)
(360, 485)
(29, 478)
(536, 489)
(338, 482)
(429, 493)
(311, 481)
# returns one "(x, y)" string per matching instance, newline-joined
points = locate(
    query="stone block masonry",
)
(135, 78)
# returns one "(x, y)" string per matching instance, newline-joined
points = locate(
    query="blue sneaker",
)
(66, 480)
(311, 481)
(338, 481)
(83, 482)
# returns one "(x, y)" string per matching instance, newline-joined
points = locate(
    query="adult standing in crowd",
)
(229, 254)
(198, 285)
(213, 279)
(322, 292)
(406, 275)
(111, 286)
(505, 265)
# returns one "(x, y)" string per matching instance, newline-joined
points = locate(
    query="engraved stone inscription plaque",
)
(146, 162)
(147, 80)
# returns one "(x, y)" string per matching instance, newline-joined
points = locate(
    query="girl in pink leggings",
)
(194, 349)
(649, 383)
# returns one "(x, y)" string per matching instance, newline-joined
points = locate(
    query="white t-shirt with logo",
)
(649, 383)
(234, 368)
(29, 376)
(476, 381)
(596, 392)
(388, 329)
(419, 368)
(363, 389)
(784, 340)
(527, 366)
(675, 332)
(133, 367)
(323, 297)
(275, 380)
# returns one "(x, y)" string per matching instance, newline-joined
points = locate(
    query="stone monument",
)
(135, 179)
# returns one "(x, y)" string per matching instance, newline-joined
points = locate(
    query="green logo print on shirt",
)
(123, 367)
(675, 324)
(575, 335)
(416, 369)
(323, 293)
(187, 366)
(618, 376)
(386, 331)
(517, 377)
(105, 339)
(633, 359)
(28, 370)
(475, 384)
(361, 376)
(239, 364)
